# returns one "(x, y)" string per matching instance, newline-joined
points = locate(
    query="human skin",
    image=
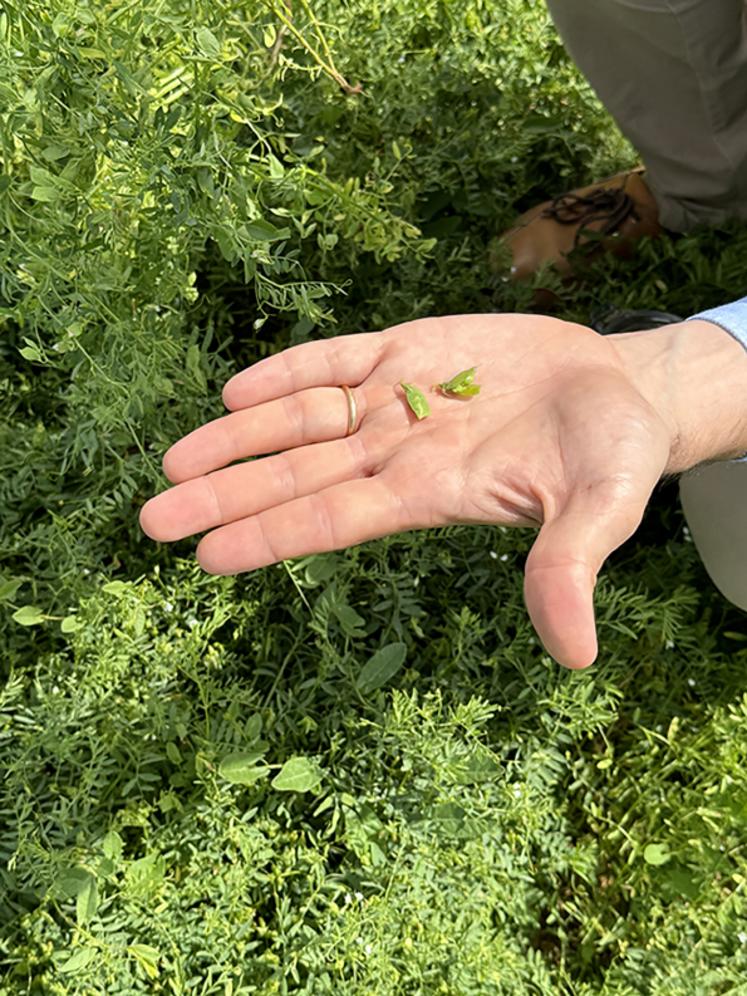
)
(570, 434)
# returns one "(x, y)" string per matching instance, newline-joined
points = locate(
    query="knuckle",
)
(294, 409)
(215, 499)
(324, 522)
(268, 539)
(286, 475)
(361, 457)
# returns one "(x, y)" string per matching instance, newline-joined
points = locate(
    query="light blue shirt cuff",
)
(732, 318)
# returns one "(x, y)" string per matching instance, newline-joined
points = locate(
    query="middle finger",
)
(233, 493)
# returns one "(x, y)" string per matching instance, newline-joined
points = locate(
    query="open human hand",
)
(560, 438)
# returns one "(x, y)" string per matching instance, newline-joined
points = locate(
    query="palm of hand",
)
(557, 438)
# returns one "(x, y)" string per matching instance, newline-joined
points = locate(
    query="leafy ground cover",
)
(359, 772)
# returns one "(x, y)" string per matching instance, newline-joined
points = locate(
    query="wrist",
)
(694, 375)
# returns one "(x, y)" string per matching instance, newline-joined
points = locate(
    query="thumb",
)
(561, 570)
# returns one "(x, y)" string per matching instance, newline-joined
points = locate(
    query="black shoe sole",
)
(614, 320)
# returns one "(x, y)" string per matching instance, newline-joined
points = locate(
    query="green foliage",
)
(353, 773)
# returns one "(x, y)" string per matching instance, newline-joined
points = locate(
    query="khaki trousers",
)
(673, 74)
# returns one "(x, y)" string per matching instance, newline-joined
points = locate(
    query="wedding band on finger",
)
(352, 409)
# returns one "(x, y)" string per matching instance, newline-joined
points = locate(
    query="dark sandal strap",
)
(613, 207)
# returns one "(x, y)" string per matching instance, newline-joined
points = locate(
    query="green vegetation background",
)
(355, 773)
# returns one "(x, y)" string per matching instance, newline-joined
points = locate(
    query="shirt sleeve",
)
(732, 318)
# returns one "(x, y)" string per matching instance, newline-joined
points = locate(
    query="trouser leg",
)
(714, 500)
(673, 74)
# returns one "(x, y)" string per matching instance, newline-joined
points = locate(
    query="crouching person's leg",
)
(673, 74)
(714, 500)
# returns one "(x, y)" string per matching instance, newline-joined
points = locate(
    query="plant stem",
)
(328, 67)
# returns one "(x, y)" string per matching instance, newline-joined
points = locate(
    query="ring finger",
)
(314, 415)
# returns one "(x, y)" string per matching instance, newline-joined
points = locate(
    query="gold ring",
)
(352, 409)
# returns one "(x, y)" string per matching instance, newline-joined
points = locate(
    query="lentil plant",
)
(354, 773)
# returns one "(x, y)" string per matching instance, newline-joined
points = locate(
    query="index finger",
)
(345, 359)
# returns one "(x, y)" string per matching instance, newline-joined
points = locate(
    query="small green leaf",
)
(321, 568)
(277, 170)
(480, 766)
(350, 621)
(47, 194)
(78, 960)
(29, 615)
(298, 774)
(253, 727)
(450, 817)
(54, 152)
(71, 880)
(147, 957)
(115, 587)
(461, 384)
(138, 622)
(327, 242)
(194, 365)
(193, 357)
(656, 854)
(9, 588)
(264, 231)
(324, 805)
(144, 876)
(226, 244)
(30, 353)
(70, 624)
(378, 857)
(60, 25)
(42, 177)
(112, 845)
(173, 753)
(242, 768)
(87, 900)
(416, 400)
(384, 664)
(680, 881)
(207, 43)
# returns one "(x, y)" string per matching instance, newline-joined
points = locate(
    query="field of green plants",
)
(355, 773)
